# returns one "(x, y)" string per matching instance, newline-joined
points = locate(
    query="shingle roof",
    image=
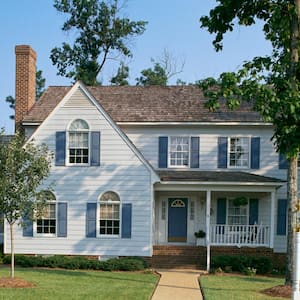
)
(215, 176)
(147, 104)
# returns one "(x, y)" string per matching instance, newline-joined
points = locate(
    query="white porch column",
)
(208, 204)
(272, 230)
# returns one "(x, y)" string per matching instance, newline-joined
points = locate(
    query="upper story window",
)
(109, 221)
(78, 146)
(179, 152)
(46, 221)
(239, 150)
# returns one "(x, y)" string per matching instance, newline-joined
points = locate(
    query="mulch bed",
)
(284, 291)
(8, 282)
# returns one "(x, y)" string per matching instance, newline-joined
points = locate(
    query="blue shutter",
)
(281, 216)
(253, 211)
(62, 211)
(222, 152)
(126, 220)
(195, 142)
(91, 209)
(95, 148)
(163, 152)
(28, 227)
(283, 164)
(60, 148)
(221, 211)
(255, 152)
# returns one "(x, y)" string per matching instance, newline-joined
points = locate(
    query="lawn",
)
(63, 284)
(227, 287)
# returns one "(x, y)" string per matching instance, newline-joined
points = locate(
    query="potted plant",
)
(200, 237)
(240, 201)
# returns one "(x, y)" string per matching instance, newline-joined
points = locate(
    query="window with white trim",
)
(109, 214)
(46, 219)
(179, 151)
(237, 214)
(239, 151)
(78, 142)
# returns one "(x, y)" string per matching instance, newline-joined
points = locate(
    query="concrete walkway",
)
(178, 285)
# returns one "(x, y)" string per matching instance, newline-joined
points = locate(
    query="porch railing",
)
(240, 235)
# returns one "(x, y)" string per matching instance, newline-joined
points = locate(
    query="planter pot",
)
(200, 241)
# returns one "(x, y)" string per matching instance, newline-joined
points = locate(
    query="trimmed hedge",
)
(78, 262)
(263, 265)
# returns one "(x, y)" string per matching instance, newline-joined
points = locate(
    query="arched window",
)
(78, 146)
(109, 217)
(46, 219)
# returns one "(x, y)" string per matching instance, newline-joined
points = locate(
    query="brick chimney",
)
(25, 82)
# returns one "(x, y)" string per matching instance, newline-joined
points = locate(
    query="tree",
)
(164, 67)
(271, 82)
(101, 33)
(23, 168)
(155, 76)
(121, 77)
(40, 88)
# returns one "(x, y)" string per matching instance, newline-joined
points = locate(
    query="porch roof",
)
(216, 177)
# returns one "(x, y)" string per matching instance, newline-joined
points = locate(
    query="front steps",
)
(178, 257)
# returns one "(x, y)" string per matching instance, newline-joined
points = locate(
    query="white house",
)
(138, 170)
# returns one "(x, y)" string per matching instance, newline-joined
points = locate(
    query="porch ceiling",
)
(216, 177)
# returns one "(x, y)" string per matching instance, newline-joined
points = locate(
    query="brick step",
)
(179, 257)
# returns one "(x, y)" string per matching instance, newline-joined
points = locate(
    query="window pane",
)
(179, 151)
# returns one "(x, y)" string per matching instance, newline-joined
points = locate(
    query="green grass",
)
(217, 287)
(63, 284)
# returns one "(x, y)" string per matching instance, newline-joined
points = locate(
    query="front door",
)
(177, 220)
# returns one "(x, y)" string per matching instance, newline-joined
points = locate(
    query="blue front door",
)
(177, 220)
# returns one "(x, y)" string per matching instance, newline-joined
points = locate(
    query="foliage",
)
(78, 285)
(240, 201)
(263, 265)
(270, 83)
(122, 75)
(78, 262)
(153, 76)
(23, 169)
(215, 287)
(100, 32)
(40, 88)
(200, 234)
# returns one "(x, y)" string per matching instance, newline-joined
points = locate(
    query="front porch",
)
(183, 207)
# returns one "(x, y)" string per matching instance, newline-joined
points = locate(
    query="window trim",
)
(228, 152)
(98, 219)
(35, 233)
(169, 152)
(227, 214)
(67, 143)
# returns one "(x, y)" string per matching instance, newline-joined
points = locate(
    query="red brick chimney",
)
(25, 82)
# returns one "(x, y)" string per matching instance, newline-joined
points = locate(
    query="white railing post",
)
(208, 204)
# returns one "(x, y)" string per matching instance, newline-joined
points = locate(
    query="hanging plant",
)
(240, 201)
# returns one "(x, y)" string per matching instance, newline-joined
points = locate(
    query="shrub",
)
(78, 262)
(262, 265)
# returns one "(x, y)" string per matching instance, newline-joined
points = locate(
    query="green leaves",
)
(22, 172)
(101, 34)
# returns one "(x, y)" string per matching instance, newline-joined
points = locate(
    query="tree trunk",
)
(292, 178)
(12, 251)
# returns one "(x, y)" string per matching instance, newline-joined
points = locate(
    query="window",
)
(78, 149)
(179, 151)
(46, 221)
(239, 152)
(109, 219)
(237, 214)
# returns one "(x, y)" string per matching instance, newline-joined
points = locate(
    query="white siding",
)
(120, 171)
(146, 140)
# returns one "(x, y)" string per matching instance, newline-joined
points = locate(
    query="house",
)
(138, 170)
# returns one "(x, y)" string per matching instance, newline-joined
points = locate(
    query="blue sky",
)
(173, 25)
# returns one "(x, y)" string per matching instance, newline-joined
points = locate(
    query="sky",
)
(172, 25)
